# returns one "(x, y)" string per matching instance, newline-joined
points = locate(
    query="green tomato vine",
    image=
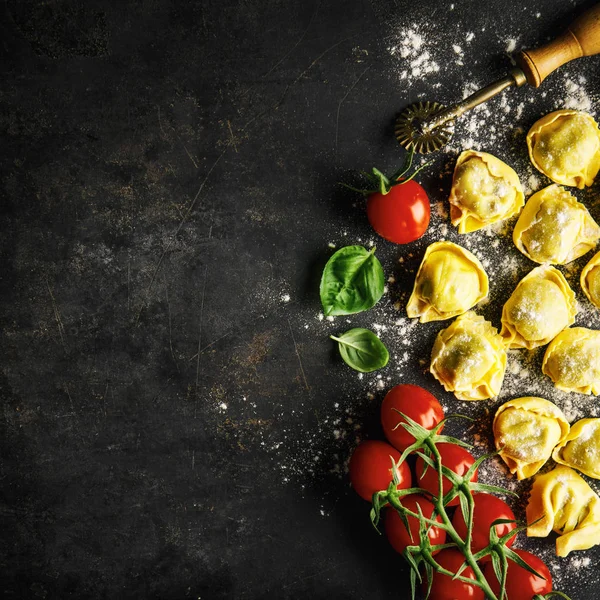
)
(420, 555)
(378, 182)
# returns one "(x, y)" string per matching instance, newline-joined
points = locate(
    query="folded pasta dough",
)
(555, 228)
(450, 281)
(484, 190)
(541, 306)
(563, 502)
(572, 360)
(469, 358)
(590, 280)
(526, 430)
(581, 448)
(565, 146)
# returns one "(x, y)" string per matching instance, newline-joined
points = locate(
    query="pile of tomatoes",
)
(371, 470)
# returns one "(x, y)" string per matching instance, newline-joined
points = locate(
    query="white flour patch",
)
(415, 54)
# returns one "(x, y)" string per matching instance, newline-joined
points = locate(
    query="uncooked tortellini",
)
(581, 448)
(565, 146)
(449, 282)
(484, 190)
(562, 501)
(526, 430)
(555, 228)
(590, 280)
(469, 358)
(541, 306)
(572, 360)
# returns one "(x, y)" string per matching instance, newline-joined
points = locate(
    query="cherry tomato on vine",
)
(456, 458)
(520, 583)
(487, 509)
(413, 401)
(443, 587)
(371, 468)
(396, 532)
(402, 215)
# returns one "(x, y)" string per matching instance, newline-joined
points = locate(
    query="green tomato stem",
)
(463, 545)
(465, 548)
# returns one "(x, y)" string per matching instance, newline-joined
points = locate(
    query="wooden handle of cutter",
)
(582, 38)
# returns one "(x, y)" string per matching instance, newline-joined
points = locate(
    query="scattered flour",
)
(577, 97)
(415, 55)
(511, 45)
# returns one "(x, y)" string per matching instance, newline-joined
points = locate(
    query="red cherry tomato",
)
(396, 531)
(401, 215)
(443, 587)
(520, 583)
(371, 468)
(456, 458)
(413, 401)
(487, 509)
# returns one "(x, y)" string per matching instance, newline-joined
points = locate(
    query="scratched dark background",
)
(168, 179)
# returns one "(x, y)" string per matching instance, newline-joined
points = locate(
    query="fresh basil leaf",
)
(362, 350)
(352, 281)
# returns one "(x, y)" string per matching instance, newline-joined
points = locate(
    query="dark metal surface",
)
(175, 418)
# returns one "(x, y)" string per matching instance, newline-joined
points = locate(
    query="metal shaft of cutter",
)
(516, 78)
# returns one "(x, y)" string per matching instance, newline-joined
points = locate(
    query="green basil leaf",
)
(362, 350)
(352, 281)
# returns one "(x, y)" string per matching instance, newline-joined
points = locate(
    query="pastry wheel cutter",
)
(425, 127)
